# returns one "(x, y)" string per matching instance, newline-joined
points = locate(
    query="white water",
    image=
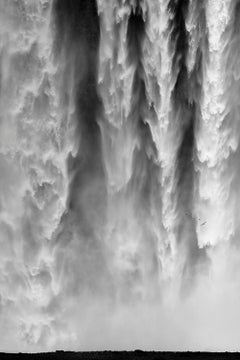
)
(134, 244)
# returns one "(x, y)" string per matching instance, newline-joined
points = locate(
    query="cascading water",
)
(119, 174)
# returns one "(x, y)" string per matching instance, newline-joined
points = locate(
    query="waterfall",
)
(119, 174)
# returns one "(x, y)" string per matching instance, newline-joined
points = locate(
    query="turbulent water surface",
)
(119, 174)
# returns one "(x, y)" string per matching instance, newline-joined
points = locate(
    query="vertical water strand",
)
(197, 49)
(119, 138)
(144, 185)
(33, 171)
(166, 79)
(215, 139)
(185, 112)
(115, 83)
(157, 60)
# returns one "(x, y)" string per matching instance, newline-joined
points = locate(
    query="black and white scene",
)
(119, 175)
